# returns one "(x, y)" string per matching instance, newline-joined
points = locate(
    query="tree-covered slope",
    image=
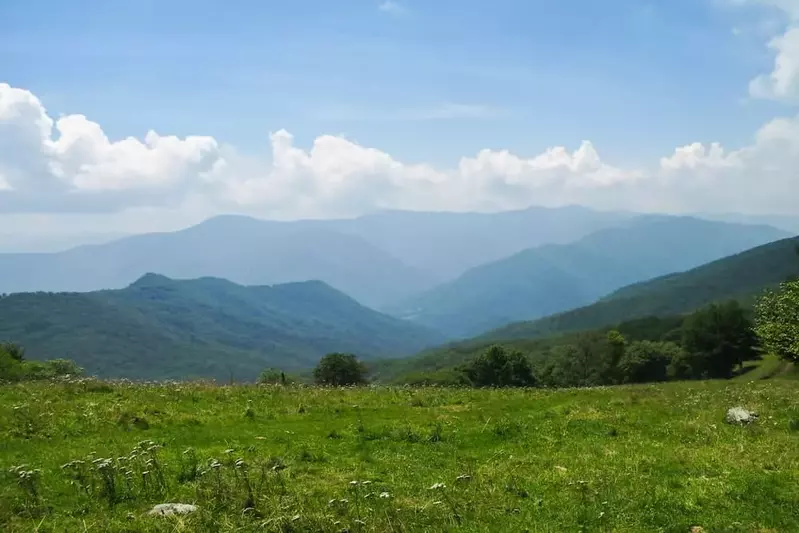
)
(651, 310)
(741, 276)
(553, 278)
(159, 327)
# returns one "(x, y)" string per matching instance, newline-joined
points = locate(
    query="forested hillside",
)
(742, 276)
(162, 328)
(554, 278)
(650, 311)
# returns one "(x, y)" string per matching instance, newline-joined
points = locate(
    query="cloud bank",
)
(69, 165)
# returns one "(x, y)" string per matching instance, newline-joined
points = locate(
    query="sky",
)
(119, 117)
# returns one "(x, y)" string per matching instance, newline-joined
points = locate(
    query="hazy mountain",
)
(741, 276)
(787, 223)
(553, 278)
(159, 327)
(446, 245)
(241, 249)
(52, 242)
(378, 259)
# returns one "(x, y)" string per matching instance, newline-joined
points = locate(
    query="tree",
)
(270, 376)
(616, 346)
(647, 361)
(716, 338)
(15, 351)
(498, 367)
(777, 321)
(339, 369)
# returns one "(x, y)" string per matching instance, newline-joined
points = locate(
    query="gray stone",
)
(169, 509)
(740, 416)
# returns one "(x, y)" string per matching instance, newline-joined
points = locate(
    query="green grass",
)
(627, 459)
(769, 367)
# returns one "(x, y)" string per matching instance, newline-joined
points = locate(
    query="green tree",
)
(777, 321)
(340, 369)
(270, 376)
(14, 351)
(612, 354)
(498, 367)
(716, 338)
(647, 361)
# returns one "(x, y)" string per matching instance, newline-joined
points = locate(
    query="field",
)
(627, 459)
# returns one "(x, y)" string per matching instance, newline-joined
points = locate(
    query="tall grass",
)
(91, 456)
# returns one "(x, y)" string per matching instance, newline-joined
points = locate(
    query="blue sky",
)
(317, 108)
(426, 81)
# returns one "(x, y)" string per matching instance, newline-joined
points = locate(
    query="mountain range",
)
(163, 328)
(649, 310)
(741, 277)
(377, 259)
(552, 278)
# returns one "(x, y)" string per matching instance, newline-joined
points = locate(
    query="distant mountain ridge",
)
(742, 276)
(240, 249)
(554, 278)
(638, 310)
(378, 259)
(163, 328)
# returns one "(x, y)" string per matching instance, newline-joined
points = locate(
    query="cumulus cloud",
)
(782, 83)
(69, 165)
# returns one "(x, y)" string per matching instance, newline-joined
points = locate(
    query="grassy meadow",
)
(90, 456)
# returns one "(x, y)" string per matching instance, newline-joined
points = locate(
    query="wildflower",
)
(463, 477)
(385, 495)
(437, 486)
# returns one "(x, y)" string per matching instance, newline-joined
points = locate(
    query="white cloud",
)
(394, 8)
(69, 168)
(782, 83)
(68, 162)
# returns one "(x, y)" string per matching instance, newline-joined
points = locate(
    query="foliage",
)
(339, 369)
(716, 339)
(273, 376)
(777, 321)
(628, 459)
(498, 367)
(647, 361)
(160, 328)
(14, 366)
(592, 359)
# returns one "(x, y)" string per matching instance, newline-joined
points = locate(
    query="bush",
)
(498, 367)
(14, 367)
(777, 321)
(272, 376)
(339, 369)
(647, 361)
(716, 338)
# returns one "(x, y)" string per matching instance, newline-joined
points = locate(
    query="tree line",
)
(711, 343)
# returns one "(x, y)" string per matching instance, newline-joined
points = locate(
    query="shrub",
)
(777, 321)
(498, 367)
(647, 361)
(338, 369)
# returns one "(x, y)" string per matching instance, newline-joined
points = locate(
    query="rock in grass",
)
(740, 416)
(169, 509)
